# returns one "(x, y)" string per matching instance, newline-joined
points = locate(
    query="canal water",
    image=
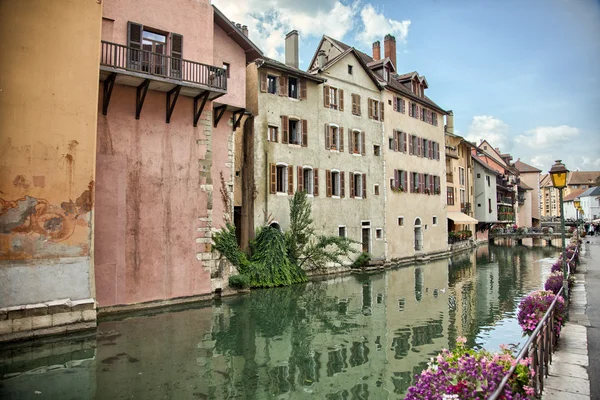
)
(351, 337)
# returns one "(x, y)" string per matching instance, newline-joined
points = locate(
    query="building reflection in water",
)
(352, 337)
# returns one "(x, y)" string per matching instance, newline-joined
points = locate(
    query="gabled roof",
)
(583, 177)
(382, 62)
(574, 194)
(593, 191)
(484, 165)
(252, 51)
(277, 65)
(522, 167)
(524, 186)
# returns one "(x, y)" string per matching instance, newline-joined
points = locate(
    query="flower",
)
(533, 307)
(461, 339)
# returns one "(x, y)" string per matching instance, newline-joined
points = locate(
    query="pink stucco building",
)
(171, 99)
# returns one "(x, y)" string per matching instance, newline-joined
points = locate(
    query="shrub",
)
(471, 374)
(362, 260)
(239, 281)
(533, 307)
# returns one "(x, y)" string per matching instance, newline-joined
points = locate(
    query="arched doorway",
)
(276, 226)
(418, 235)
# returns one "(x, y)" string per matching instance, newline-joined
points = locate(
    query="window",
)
(378, 233)
(391, 144)
(450, 196)
(400, 221)
(461, 175)
(350, 69)
(331, 97)
(292, 87)
(435, 220)
(423, 111)
(227, 67)
(294, 130)
(374, 107)
(342, 231)
(415, 183)
(376, 190)
(478, 175)
(356, 104)
(376, 150)
(272, 134)
(356, 142)
(490, 206)
(398, 104)
(282, 179)
(358, 186)
(335, 183)
(487, 178)
(308, 183)
(334, 138)
(386, 74)
(462, 198)
(272, 84)
(414, 108)
(434, 119)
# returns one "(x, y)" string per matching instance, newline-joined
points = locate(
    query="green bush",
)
(239, 281)
(362, 260)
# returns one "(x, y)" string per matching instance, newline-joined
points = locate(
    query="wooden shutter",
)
(350, 141)
(431, 145)
(328, 182)
(263, 81)
(300, 179)
(354, 109)
(302, 89)
(327, 143)
(290, 179)
(351, 177)
(395, 103)
(304, 133)
(422, 182)
(176, 54)
(396, 178)
(410, 145)
(364, 186)
(420, 147)
(405, 181)
(283, 85)
(341, 95)
(341, 135)
(273, 182)
(134, 40)
(342, 184)
(381, 109)
(395, 140)
(404, 141)
(403, 106)
(362, 143)
(316, 182)
(326, 96)
(358, 104)
(410, 110)
(370, 104)
(437, 151)
(285, 126)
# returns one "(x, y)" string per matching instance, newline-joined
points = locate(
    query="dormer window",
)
(386, 74)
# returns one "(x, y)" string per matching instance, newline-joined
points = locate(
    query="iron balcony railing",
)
(465, 208)
(130, 59)
(539, 347)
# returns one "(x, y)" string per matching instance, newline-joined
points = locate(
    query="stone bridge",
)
(547, 237)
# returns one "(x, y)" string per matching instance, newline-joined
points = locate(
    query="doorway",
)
(366, 236)
(418, 235)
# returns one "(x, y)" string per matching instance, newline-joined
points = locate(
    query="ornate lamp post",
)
(577, 204)
(558, 174)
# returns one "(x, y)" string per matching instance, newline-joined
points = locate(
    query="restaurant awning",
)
(461, 218)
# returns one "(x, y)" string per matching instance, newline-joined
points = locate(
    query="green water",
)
(351, 337)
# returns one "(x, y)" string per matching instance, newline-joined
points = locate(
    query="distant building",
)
(529, 194)
(575, 180)
(485, 205)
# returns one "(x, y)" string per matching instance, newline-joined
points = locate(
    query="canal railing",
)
(539, 347)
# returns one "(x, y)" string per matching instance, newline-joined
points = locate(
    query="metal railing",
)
(539, 347)
(465, 208)
(130, 59)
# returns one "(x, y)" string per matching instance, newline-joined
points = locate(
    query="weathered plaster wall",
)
(532, 179)
(47, 149)
(151, 193)
(410, 206)
(525, 211)
(483, 193)
(226, 50)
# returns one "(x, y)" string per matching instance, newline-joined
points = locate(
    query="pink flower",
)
(461, 339)
(529, 390)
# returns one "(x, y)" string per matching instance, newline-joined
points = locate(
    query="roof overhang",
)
(252, 51)
(461, 218)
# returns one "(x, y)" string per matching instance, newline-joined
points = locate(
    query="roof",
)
(271, 63)
(575, 193)
(394, 84)
(484, 165)
(593, 191)
(545, 180)
(522, 167)
(524, 186)
(583, 177)
(252, 51)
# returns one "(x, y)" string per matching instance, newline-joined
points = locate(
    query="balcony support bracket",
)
(109, 84)
(237, 117)
(172, 96)
(218, 113)
(140, 97)
(198, 111)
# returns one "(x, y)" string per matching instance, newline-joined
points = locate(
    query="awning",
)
(461, 218)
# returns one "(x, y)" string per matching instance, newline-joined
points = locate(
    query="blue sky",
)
(523, 74)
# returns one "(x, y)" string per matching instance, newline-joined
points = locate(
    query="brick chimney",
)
(376, 50)
(245, 30)
(291, 49)
(389, 48)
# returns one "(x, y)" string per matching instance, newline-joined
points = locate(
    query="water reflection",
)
(356, 337)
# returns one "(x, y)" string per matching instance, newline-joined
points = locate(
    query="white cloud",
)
(376, 26)
(494, 130)
(546, 136)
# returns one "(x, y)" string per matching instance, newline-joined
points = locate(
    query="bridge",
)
(519, 236)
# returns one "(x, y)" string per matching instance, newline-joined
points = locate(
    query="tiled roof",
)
(583, 177)
(525, 186)
(522, 167)
(269, 62)
(593, 191)
(485, 166)
(575, 193)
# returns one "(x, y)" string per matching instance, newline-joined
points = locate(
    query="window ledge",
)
(357, 154)
(294, 145)
(293, 98)
(335, 197)
(282, 194)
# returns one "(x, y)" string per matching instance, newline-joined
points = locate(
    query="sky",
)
(522, 74)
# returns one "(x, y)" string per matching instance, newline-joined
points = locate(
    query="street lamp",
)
(558, 174)
(577, 204)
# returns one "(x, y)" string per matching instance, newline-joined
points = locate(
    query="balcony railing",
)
(450, 152)
(504, 200)
(465, 208)
(148, 63)
(521, 200)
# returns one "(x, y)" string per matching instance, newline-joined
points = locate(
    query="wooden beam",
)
(140, 97)
(218, 113)
(172, 96)
(236, 118)
(109, 84)
(198, 111)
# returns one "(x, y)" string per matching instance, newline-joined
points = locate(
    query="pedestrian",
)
(592, 230)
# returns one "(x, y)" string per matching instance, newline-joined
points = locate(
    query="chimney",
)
(245, 30)
(321, 57)
(376, 50)
(389, 48)
(450, 122)
(291, 49)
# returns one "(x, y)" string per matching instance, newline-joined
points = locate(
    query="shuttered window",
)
(302, 89)
(356, 104)
(134, 42)
(176, 54)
